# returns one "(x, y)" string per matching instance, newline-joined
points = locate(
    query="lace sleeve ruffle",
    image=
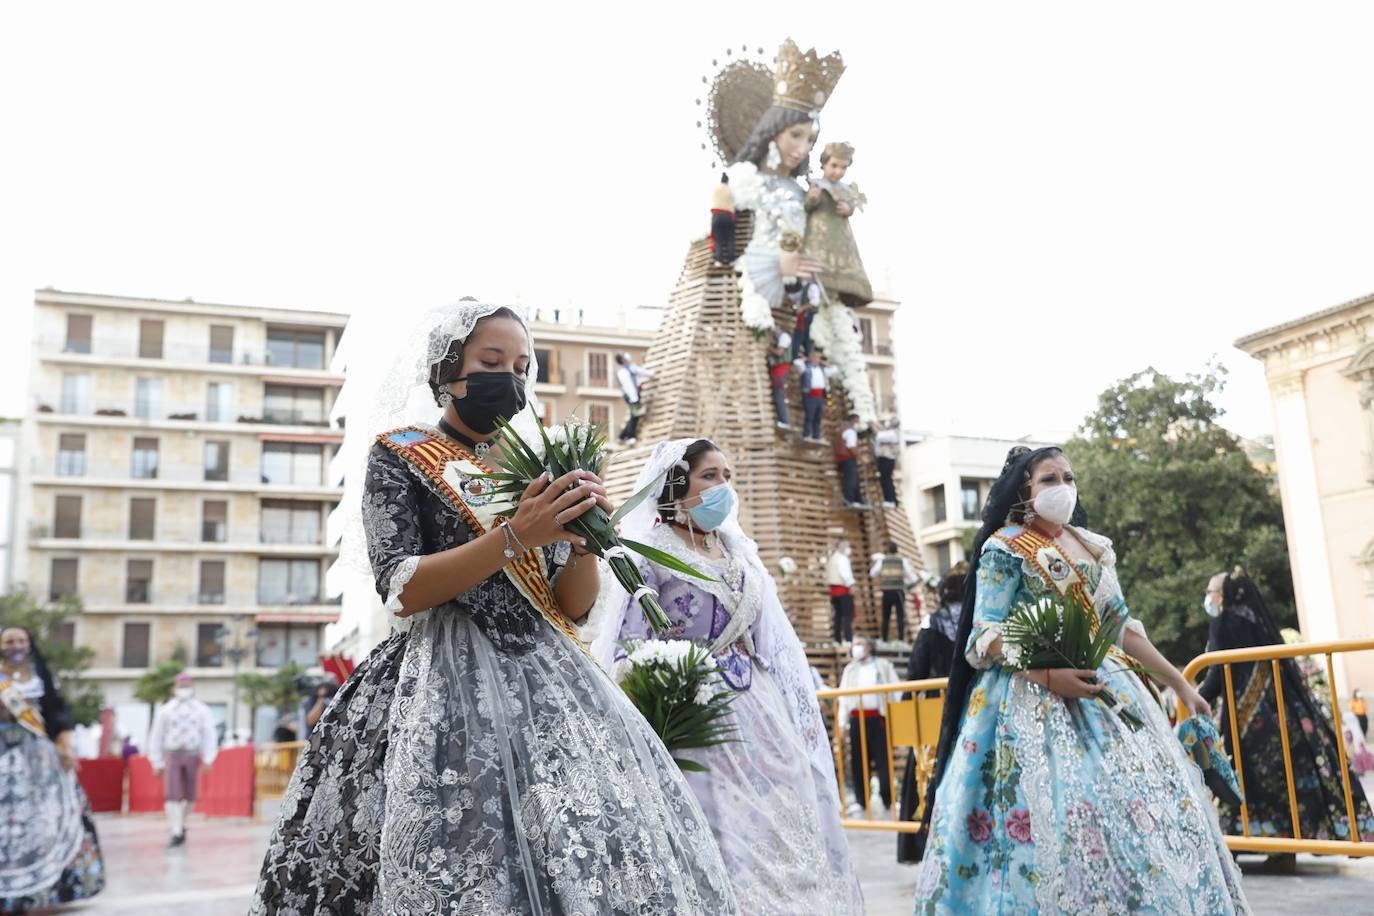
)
(980, 642)
(403, 573)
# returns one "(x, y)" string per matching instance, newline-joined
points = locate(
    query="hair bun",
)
(1016, 454)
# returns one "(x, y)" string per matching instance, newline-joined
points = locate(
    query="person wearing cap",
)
(182, 738)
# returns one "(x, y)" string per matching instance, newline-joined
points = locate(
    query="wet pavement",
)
(214, 873)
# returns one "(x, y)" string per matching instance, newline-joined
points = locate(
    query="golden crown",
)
(839, 150)
(804, 81)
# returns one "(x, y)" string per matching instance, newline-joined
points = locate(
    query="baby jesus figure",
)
(830, 202)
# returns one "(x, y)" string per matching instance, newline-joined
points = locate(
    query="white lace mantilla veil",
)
(402, 398)
(776, 645)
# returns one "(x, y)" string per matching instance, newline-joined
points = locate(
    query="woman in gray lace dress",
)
(479, 761)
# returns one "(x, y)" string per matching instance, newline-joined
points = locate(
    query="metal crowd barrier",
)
(912, 722)
(272, 768)
(1273, 654)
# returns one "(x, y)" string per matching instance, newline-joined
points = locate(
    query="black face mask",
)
(491, 396)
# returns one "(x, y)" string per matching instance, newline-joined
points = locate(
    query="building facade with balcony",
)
(1320, 370)
(175, 478)
(946, 483)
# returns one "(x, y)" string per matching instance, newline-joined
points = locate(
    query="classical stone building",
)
(1321, 381)
(175, 479)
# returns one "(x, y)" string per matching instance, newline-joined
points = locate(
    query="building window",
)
(599, 415)
(598, 370)
(145, 458)
(289, 404)
(297, 349)
(288, 581)
(150, 338)
(866, 334)
(62, 579)
(71, 455)
(545, 370)
(142, 518)
(289, 522)
(214, 521)
(148, 399)
(942, 559)
(66, 521)
(968, 498)
(211, 582)
(221, 343)
(138, 582)
(76, 393)
(219, 402)
(935, 504)
(216, 460)
(78, 334)
(292, 463)
(207, 645)
(137, 641)
(279, 643)
(63, 634)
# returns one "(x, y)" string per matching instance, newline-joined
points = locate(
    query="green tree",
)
(67, 662)
(1181, 502)
(277, 690)
(155, 685)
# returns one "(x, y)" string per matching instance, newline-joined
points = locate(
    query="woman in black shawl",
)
(55, 857)
(931, 656)
(1241, 620)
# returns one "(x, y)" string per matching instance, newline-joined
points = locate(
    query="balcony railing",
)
(155, 410)
(185, 353)
(165, 471)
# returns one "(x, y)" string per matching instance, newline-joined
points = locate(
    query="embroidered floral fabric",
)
(1055, 807)
(775, 817)
(467, 768)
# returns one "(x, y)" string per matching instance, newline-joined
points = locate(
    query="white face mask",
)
(1056, 504)
(859, 651)
(183, 693)
(1210, 606)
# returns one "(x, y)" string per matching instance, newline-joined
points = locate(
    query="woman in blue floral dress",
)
(1048, 802)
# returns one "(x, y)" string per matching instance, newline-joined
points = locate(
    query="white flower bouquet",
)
(676, 685)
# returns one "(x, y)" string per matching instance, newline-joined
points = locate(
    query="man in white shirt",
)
(866, 670)
(887, 446)
(182, 738)
(839, 576)
(815, 385)
(847, 462)
(630, 378)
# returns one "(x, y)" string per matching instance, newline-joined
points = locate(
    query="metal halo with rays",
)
(736, 99)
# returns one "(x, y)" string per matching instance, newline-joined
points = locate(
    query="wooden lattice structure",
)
(711, 380)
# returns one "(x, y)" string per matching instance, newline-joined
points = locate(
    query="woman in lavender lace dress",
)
(770, 795)
(479, 761)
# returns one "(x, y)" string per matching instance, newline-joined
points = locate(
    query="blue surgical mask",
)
(1210, 606)
(716, 505)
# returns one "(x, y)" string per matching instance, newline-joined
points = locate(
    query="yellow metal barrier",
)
(912, 723)
(272, 768)
(1272, 655)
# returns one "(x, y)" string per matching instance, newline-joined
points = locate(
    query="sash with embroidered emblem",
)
(456, 475)
(20, 708)
(1044, 555)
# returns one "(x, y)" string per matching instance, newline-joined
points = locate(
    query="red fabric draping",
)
(102, 778)
(225, 788)
(145, 786)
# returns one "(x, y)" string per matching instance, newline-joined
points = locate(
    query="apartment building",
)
(175, 478)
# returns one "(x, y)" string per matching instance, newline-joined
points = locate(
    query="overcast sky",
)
(1060, 193)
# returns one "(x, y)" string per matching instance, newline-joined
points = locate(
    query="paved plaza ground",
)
(214, 873)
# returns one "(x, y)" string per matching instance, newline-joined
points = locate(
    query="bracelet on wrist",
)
(514, 546)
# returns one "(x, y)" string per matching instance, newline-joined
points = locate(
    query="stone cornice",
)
(1349, 322)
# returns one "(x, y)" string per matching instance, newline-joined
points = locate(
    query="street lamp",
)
(237, 652)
